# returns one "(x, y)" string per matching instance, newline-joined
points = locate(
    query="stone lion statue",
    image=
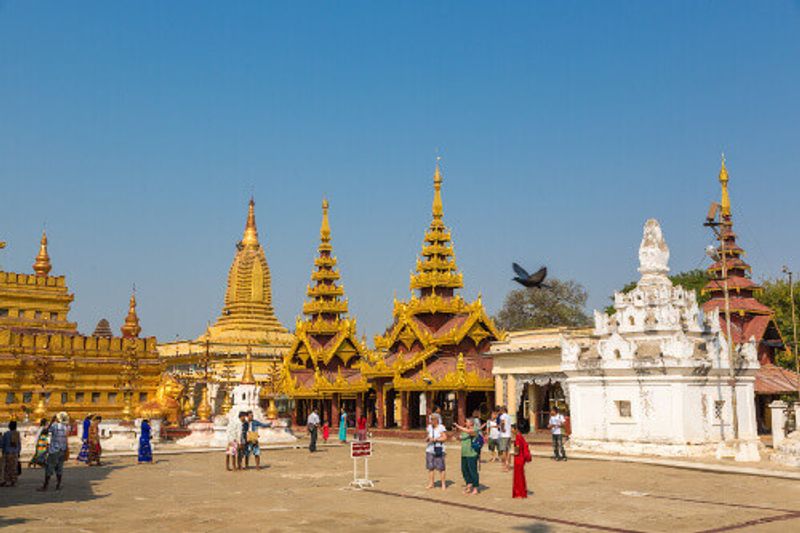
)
(167, 403)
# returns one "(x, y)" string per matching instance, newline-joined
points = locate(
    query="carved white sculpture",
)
(653, 251)
(616, 347)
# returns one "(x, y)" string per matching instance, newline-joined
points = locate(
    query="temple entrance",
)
(349, 406)
(535, 402)
(370, 408)
(446, 402)
(392, 408)
(416, 419)
(479, 401)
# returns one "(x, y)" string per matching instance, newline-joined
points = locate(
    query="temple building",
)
(46, 365)
(750, 319)
(247, 323)
(435, 353)
(657, 381)
(323, 366)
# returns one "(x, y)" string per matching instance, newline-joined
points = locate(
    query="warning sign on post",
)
(360, 448)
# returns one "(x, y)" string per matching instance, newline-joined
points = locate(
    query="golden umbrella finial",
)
(248, 378)
(725, 202)
(250, 237)
(325, 227)
(42, 264)
(438, 210)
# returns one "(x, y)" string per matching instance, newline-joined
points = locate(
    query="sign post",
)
(361, 449)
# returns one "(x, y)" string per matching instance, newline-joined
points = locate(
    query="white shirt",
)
(434, 433)
(313, 419)
(234, 431)
(505, 426)
(556, 422)
(494, 433)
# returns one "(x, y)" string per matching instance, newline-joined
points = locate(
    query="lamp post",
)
(794, 326)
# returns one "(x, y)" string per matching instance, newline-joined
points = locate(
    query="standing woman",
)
(469, 458)
(435, 452)
(40, 452)
(362, 428)
(11, 444)
(343, 426)
(145, 450)
(93, 442)
(83, 455)
(522, 455)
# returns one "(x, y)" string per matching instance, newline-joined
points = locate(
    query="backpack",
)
(477, 443)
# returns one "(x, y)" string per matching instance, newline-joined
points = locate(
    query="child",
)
(326, 432)
(522, 455)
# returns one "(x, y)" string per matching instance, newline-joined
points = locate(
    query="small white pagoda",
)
(656, 381)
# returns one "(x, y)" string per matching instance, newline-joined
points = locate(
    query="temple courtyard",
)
(298, 491)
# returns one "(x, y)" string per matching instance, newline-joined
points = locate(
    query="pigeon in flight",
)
(532, 281)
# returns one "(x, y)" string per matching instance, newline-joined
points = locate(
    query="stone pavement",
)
(299, 491)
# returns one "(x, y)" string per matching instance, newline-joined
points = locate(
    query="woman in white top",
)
(494, 437)
(434, 451)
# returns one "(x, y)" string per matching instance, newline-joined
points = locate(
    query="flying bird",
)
(532, 281)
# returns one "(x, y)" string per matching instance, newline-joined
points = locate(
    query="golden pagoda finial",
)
(247, 376)
(131, 329)
(42, 264)
(725, 203)
(325, 228)
(438, 210)
(250, 237)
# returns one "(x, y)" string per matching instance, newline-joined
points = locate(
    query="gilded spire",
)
(247, 376)
(324, 296)
(42, 265)
(725, 203)
(250, 237)
(131, 328)
(325, 227)
(438, 209)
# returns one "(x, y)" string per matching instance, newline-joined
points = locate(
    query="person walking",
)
(11, 445)
(504, 423)
(469, 457)
(494, 436)
(555, 424)
(522, 456)
(362, 428)
(40, 451)
(145, 449)
(57, 450)
(312, 424)
(83, 454)
(343, 427)
(93, 442)
(326, 432)
(253, 447)
(435, 451)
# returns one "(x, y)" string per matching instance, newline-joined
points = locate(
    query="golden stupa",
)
(247, 323)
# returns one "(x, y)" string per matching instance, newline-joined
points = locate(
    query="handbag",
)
(438, 449)
(252, 437)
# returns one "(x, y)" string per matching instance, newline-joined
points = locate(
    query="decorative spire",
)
(250, 237)
(325, 227)
(436, 271)
(247, 376)
(725, 203)
(42, 265)
(324, 296)
(131, 328)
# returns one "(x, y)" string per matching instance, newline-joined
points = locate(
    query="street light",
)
(794, 326)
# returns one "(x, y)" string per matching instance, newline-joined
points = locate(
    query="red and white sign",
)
(362, 448)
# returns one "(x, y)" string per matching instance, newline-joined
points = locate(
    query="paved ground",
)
(302, 492)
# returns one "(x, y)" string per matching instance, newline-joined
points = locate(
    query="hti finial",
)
(725, 202)
(250, 237)
(438, 210)
(42, 264)
(325, 227)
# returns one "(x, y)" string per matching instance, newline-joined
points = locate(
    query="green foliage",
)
(775, 294)
(694, 280)
(562, 304)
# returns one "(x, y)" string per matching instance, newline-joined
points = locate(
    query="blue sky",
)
(136, 132)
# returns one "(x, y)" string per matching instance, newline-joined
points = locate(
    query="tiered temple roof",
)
(326, 355)
(749, 317)
(437, 340)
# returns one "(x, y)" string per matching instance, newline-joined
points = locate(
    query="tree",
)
(694, 279)
(562, 304)
(775, 294)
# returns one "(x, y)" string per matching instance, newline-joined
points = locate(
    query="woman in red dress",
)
(522, 455)
(362, 428)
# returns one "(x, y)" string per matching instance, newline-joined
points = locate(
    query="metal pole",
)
(794, 328)
(732, 370)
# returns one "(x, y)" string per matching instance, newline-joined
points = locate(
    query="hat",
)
(63, 417)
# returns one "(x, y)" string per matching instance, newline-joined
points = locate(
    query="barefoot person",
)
(343, 427)
(522, 456)
(93, 442)
(494, 436)
(145, 449)
(253, 447)
(505, 437)
(40, 451)
(83, 455)
(312, 425)
(434, 451)
(57, 450)
(556, 423)
(11, 444)
(469, 457)
(232, 433)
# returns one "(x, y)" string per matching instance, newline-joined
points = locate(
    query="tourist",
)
(343, 427)
(478, 427)
(435, 451)
(362, 428)
(233, 434)
(312, 426)
(93, 442)
(555, 425)
(245, 428)
(504, 423)
(253, 447)
(40, 451)
(469, 457)
(522, 455)
(326, 432)
(145, 449)
(494, 436)
(57, 450)
(11, 446)
(83, 455)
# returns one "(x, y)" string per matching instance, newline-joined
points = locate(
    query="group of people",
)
(505, 442)
(313, 428)
(243, 442)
